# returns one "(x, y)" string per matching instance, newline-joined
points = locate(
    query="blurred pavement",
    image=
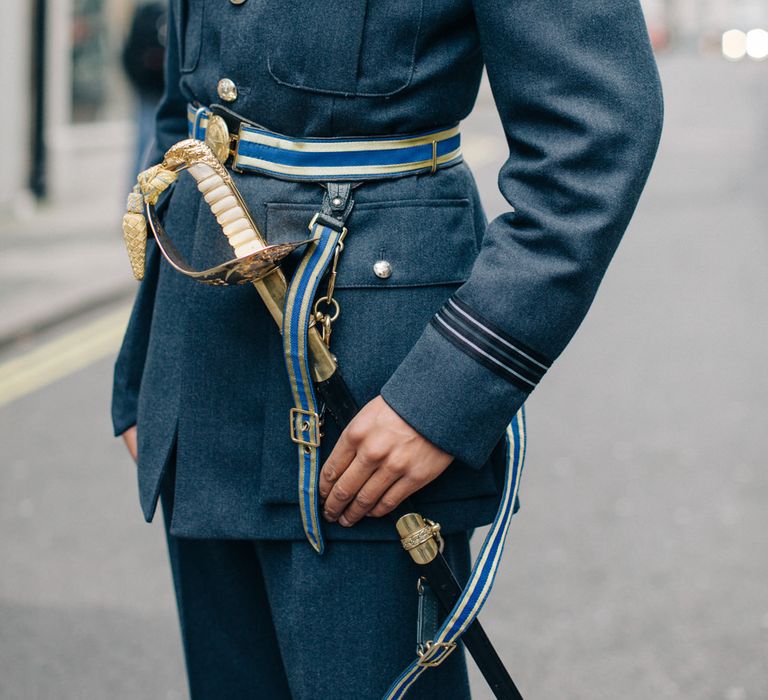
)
(637, 566)
(58, 262)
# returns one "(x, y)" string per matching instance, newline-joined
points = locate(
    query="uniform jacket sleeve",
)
(171, 127)
(577, 90)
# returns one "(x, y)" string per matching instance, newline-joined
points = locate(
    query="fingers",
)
(348, 487)
(378, 461)
(395, 495)
(129, 437)
(340, 458)
(368, 496)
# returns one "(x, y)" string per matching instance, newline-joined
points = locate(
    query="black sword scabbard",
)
(447, 590)
(341, 405)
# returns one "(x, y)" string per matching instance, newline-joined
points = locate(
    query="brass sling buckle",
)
(429, 650)
(305, 422)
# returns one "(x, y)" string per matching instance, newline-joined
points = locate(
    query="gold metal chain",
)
(325, 319)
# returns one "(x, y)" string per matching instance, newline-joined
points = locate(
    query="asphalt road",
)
(637, 566)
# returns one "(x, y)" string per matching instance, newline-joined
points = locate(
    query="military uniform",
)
(452, 319)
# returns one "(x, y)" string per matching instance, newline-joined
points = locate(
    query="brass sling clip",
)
(325, 319)
(428, 650)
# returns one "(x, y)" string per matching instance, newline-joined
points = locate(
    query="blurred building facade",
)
(69, 130)
(15, 42)
(699, 24)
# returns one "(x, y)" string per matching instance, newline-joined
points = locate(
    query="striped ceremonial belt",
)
(258, 150)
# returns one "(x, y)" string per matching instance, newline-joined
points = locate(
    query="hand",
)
(129, 438)
(378, 462)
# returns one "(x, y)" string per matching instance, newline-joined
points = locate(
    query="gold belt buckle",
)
(310, 424)
(221, 141)
(217, 137)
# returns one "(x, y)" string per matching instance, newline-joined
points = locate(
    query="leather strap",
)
(327, 231)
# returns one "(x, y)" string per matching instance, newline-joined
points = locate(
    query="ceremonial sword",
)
(257, 262)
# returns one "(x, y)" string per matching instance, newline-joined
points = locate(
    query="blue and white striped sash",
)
(484, 570)
(305, 421)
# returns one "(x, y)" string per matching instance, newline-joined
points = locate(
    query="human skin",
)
(378, 461)
(129, 438)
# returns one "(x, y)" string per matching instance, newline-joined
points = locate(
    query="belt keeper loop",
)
(434, 158)
(234, 148)
(200, 112)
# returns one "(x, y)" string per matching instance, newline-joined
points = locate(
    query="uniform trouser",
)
(274, 620)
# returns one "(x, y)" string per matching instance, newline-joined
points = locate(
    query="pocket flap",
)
(425, 241)
(366, 49)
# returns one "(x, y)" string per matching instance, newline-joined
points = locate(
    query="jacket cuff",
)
(462, 383)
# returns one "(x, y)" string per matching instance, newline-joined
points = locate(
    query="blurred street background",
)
(638, 565)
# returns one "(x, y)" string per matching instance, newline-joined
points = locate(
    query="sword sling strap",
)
(327, 231)
(433, 653)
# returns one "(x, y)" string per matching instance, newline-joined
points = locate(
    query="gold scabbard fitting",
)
(420, 537)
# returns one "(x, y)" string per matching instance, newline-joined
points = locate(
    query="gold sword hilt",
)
(221, 194)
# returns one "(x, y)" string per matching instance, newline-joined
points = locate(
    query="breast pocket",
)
(344, 47)
(189, 30)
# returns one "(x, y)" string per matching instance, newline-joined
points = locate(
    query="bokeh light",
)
(734, 44)
(757, 44)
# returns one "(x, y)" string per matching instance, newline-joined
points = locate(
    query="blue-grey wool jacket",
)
(473, 313)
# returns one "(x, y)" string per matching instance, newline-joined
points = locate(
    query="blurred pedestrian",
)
(143, 58)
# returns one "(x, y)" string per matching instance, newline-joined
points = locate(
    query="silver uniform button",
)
(227, 90)
(382, 269)
(237, 2)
